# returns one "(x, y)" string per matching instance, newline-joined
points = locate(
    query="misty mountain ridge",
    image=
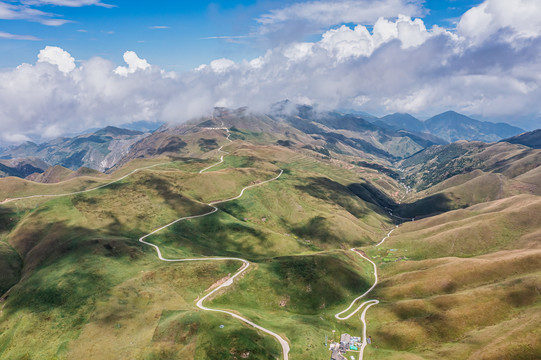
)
(389, 139)
(98, 150)
(452, 126)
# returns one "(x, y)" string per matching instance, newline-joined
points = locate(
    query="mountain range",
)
(391, 138)
(98, 150)
(451, 126)
(446, 239)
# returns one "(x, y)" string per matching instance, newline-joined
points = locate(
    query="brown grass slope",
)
(472, 289)
(466, 173)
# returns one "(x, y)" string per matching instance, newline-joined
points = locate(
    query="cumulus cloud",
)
(221, 65)
(295, 21)
(134, 64)
(56, 56)
(345, 43)
(521, 18)
(397, 65)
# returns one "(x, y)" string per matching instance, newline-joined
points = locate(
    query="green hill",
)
(461, 281)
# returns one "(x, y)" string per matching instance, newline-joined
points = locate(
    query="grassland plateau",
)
(462, 281)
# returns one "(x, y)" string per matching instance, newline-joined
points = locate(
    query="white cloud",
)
(22, 12)
(398, 66)
(14, 138)
(521, 17)
(56, 56)
(298, 51)
(297, 21)
(221, 65)
(159, 27)
(344, 43)
(42, 101)
(5, 35)
(411, 33)
(69, 3)
(328, 13)
(134, 64)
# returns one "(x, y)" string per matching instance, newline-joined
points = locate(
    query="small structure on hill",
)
(344, 343)
(347, 342)
(335, 355)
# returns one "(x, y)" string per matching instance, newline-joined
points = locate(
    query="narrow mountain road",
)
(82, 191)
(220, 149)
(284, 344)
(5, 201)
(339, 315)
(245, 263)
(369, 303)
(387, 236)
(363, 320)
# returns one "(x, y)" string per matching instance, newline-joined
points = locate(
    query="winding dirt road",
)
(219, 149)
(245, 263)
(367, 304)
(338, 316)
(284, 344)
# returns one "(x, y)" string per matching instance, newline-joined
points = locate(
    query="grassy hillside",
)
(465, 286)
(462, 174)
(84, 278)
(299, 296)
(461, 284)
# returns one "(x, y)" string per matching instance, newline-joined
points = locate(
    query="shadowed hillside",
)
(456, 283)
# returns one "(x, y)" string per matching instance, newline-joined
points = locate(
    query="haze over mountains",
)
(98, 150)
(452, 126)
(159, 199)
(391, 137)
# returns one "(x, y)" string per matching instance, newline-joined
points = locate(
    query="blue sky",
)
(109, 31)
(70, 65)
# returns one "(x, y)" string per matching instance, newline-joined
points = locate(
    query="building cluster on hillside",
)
(347, 342)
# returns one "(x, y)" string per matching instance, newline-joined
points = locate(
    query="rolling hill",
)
(460, 282)
(531, 139)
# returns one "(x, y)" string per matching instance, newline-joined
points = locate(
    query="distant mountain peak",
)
(404, 121)
(452, 126)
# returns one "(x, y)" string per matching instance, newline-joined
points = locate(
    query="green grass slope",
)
(458, 285)
(85, 288)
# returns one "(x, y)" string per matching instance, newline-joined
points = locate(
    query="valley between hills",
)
(256, 217)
